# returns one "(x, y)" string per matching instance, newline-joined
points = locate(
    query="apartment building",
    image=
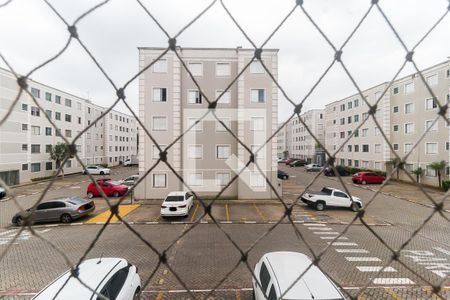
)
(121, 138)
(26, 136)
(281, 142)
(208, 156)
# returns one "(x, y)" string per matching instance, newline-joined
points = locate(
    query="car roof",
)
(177, 193)
(92, 272)
(313, 284)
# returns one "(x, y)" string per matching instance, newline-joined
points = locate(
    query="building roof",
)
(212, 48)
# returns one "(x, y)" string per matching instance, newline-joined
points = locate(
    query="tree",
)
(394, 162)
(418, 172)
(58, 153)
(438, 166)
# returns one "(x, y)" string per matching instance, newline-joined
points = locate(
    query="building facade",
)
(207, 157)
(27, 136)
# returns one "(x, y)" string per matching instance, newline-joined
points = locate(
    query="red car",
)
(109, 187)
(288, 161)
(367, 177)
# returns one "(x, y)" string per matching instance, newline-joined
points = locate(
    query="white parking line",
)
(375, 269)
(320, 228)
(20, 196)
(333, 237)
(392, 281)
(352, 250)
(442, 250)
(314, 224)
(343, 244)
(332, 232)
(361, 258)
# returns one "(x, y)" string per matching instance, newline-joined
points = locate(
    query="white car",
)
(97, 170)
(113, 278)
(331, 197)
(277, 271)
(312, 168)
(177, 204)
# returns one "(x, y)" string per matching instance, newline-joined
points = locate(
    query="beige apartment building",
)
(27, 136)
(207, 157)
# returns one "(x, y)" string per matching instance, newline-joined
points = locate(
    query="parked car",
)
(313, 168)
(114, 278)
(283, 175)
(97, 170)
(367, 177)
(331, 197)
(277, 271)
(64, 210)
(109, 187)
(130, 180)
(341, 170)
(132, 161)
(177, 204)
(298, 163)
(288, 161)
(2, 192)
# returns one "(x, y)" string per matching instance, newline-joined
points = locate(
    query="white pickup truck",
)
(331, 197)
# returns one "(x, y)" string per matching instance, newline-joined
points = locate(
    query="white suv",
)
(97, 170)
(277, 271)
(113, 278)
(177, 204)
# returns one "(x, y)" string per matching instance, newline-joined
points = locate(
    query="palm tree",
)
(394, 162)
(418, 172)
(438, 166)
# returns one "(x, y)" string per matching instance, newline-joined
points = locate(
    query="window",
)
(68, 102)
(223, 69)
(197, 127)
(376, 131)
(57, 99)
(395, 90)
(356, 118)
(365, 132)
(35, 167)
(48, 131)
(395, 128)
(377, 148)
(429, 125)
(377, 165)
(24, 167)
(35, 111)
(257, 96)
(356, 133)
(57, 115)
(256, 180)
(447, 146)
(24, 127)
(79, 120)
(195, 151)
(226, 97)
(222, 179)
(35, 92)
(430, 103)
(223, 151)
(195, 179)
(395, 146)
(79, 105)
(48, 148)
(342, 134)
(272, 293)
(35, 130)
(160, 66)
(159, 123)
(342, 107)
(196, 68)
(24, 107)
(356, 103)
(257, 124)
(407, 147)
(159, 180)
(349, 120)
(156, 151)
(24, 147)
(395, 109)
(194, 97)
(48, 96)
(342, 121)
(349, 148)
(365, 116)
(68, 133)
(356, 148)
(432, 80)
(68, 118)
(430, 172)
(447, 73)
(409, 88)
(365, 148)
(431, 148)
(68, 163)
(409, 108)
(349, 105)
(48, 166)
(35, 148)
(159, 95)
(256, 67)
(409, 128)
(226, 122)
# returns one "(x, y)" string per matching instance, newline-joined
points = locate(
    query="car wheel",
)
(102, 173)
(320, 206)
(19, 221)
(285, 177)
(90, 195)
(355, 206)
(116, 194)
(364, 182)
(137, 293)
(66, 218)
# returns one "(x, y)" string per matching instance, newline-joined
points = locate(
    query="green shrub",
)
(445, 185)
(41, 178)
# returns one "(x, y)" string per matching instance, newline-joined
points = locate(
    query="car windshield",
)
(174, 199)
(327, 191)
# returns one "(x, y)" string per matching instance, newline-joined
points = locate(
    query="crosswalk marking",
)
(332, 232)
(352, 250)
(320, 228)
(333, 237)
(392, 281)
(375, 269)
(343, 244)
(314, 224)
(362, 258)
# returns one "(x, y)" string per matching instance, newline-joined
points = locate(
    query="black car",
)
(298, 163)
(341, 170)
(282, 175)
(2, 192)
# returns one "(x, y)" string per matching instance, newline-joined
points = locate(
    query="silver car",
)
(64, 210)
(130, 180)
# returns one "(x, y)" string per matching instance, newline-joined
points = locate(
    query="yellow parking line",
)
(361, 297)
(160, 296)
(238, 294)
(430, 290)
(259, 212)
(195, 212)
(227, 212)
(392, 294)
(104, 216)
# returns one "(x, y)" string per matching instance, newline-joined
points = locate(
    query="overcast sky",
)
(30, 33)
